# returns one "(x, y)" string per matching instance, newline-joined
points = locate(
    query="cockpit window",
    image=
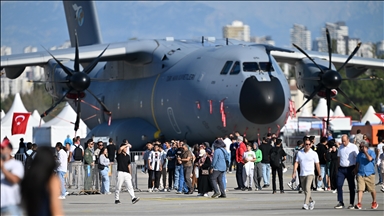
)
(226, 67)
(235, 68)
(257, 66)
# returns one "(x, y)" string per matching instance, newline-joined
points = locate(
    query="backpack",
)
(275, 160)
(78, 153)
(28, 160)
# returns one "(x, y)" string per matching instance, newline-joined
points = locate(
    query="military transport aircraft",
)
(177, 89)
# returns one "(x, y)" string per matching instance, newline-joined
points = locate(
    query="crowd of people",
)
(202, 168)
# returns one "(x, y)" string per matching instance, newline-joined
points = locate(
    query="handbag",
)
(100, 166)
(204, 172)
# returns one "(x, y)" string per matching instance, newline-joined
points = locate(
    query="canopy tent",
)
(370, 116)
(305, 113)
(321, 109)
(6, 124)
(36, 115)
(338, 112)
(57, 129)
(2, 114)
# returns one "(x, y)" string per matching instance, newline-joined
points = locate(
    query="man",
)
(111, 148)
(365, 169)
(12, 172)
(21, 147)
(347, 161)
(68, 142)
(258, 170)
(149, 147)
(276, 157)
(240, 163)
(186, 159)
(306, 158)
(164, 162)
(29, 155)
(219, 167)
(62, 168)
(358, 137)
(123, 174)
(100, 146)
(379, 151)
(233, 148)
(179, 170)
(321, 150)
(76, 155)
(88, 165)
(265, 148)
(171, 166)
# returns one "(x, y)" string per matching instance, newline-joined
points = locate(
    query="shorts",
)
(366, 183)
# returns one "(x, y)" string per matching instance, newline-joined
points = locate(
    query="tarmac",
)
(237, 202)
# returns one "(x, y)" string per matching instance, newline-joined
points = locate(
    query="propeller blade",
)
(345, 95)
(329, 48)
(302, 51)
(92, 65)
(350, 56)
(78, 111)
(66, 70)
(47, 81)
(311, 96)
(101, 103)
(76, 65)
(54, 105)
(328, 96)
(311, 78)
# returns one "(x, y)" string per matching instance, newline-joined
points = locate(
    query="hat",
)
(209, 151)
(240, 138)
(202, 152)
(364, 143)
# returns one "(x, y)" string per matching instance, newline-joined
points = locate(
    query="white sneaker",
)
(150, 190)
(305, 206)
(61, 197)
(320, 189)
(312, 205)
(285, 170)
(206, 195)
(66, 193)
(334, 191)
(382, 189)
(290, 185)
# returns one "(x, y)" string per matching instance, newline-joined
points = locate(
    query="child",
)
(249, 158)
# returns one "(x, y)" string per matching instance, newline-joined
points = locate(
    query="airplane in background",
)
(178, 89)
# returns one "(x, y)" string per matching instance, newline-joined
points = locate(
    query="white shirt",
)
(155, 160)
(10, 193)
(347, 154)
(227, 142)
(63, 160)
(307, 162)
(73, 147)
(380, 148)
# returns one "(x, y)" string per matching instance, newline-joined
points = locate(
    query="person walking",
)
(124, 174)
(276, 157)
(218, 168)
(347, 161)
(265, 148)
(307, 159)
(103, 167)
(365, 169)
(62, 167)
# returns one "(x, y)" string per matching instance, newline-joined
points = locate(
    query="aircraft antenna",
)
(202, 40)
(226, 41)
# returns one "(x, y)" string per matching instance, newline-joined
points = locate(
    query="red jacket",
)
(240, 152)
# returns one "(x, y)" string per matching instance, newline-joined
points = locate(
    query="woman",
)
(104, 164)
(204, 183)
(40, 187)
(332, 148)
(195, 170)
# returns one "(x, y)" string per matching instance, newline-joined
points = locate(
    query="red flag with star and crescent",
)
(381, 116)
(19, 123)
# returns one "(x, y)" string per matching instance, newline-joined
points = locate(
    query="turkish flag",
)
(19, 123)
(381, 116)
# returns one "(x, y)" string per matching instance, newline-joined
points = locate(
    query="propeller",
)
(328, 78)
(78, 81)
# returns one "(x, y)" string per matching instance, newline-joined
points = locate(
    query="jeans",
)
(342, 174)
(11, 210)
(379, 172)
(61, 175)
(216, 179)
(179, 179)
(104, 180)
(323, 169)
(224, 180)
(266, 170)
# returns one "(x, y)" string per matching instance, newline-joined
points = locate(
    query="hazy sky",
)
(43, 23)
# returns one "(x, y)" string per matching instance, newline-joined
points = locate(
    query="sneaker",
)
(379, 183)
(244, 188)
(237, 188)
(358, 206)
(320, 189)
(200, 194)
(334, 191)
(66, 193)
(215, 195)
(62, 197)
(256, 189)
(117, 201)
(374, 205)
(108, 193)
(311, 205)
(339, 205)
(135, 200)
(305, 206)
(178, 192)
(282, 191)
(150, 190)
(156, 190)
(250, 189)
(382, 189)
(266, 185)
(206, 195)
(260, 188)
(351, 206)
(285, 170)
(290, 185)
(230, 171)
(273, 192)
(222, 196)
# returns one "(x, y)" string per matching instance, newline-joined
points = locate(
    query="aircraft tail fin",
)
(82, 17)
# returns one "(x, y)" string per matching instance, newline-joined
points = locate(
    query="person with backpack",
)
(28, 156)
(76, 155)
(276, 157)
(219, 166)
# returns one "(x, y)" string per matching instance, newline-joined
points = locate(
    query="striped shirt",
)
(155, 160)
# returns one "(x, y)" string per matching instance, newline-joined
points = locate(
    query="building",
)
(301, 36)
(263, 40)
(237, 31)
(380, 49)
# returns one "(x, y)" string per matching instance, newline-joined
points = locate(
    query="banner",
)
(381, 116)
(20, 122)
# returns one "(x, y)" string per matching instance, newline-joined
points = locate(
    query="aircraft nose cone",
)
(262, 102)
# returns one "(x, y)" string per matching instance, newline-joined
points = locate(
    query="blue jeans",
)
(61, 175)
(11, 210)
(323, 168)
(379, 172)
(104, 180)
(179, 179)
(266, 172)
(224, 180)
(342, 174)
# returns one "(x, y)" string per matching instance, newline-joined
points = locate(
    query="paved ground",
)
(237, 203)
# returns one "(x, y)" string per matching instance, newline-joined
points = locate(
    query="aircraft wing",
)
(355, 66)
(134, 52)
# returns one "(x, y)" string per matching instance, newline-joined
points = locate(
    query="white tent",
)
(36, 115)
(305, 113)
(57, 129)
(370, 116)
(6, 124)
(338, 112)
(2, 114)
(321, 109)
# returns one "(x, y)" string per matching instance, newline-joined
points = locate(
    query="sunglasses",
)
(308, 144)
